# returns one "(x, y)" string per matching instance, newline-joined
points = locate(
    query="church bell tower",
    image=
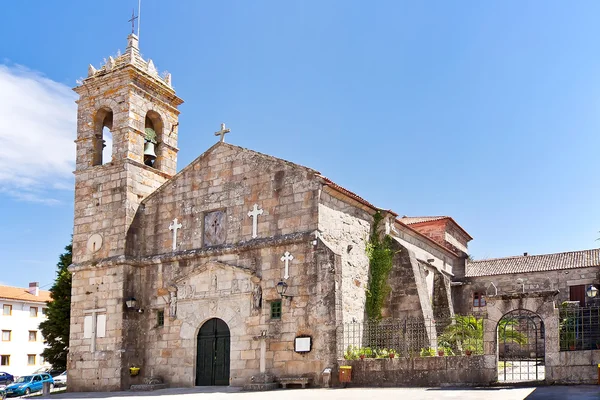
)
(127, 107)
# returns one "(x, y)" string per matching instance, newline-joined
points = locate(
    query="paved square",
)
(585, 392)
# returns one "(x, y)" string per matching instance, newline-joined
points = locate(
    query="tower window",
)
(102, 145)
(152, 139)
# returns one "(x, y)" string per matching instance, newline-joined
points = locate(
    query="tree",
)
(55, 328)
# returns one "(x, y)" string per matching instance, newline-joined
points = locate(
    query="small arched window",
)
(102, 140)
(152, 139)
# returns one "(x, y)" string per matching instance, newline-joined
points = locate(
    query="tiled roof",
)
(347, 192)
(15, 293)
(537, 263)
(419, 220)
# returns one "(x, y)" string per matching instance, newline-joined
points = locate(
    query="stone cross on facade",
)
(286, 258)
(174, 227)
(254, 215)
(222, 132)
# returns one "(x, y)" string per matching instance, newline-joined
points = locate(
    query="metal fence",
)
(579, 328)
(412, 337)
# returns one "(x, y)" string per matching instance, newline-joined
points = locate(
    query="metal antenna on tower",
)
(139, 16)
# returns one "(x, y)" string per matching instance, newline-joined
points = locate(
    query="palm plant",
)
(467, 333)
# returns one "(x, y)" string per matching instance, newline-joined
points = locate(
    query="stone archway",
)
(521, 347)
(540, 304)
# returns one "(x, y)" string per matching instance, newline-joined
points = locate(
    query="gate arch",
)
(521, 347)
(212, 354)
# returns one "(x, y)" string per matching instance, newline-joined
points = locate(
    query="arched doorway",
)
(212, 358)
(521, 347)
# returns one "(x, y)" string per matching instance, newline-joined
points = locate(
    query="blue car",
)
(6, 378)
(28, 384)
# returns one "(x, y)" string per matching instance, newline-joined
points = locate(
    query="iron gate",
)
(521, 344)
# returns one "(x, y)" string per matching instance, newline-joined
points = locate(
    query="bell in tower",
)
(149, 145)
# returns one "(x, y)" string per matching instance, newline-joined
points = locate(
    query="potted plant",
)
(440, 351)
(392, 353)
(427, 352)
(468, 350)
(382, 353)
(569, 338)
(361, 353)
(351, 353)
(133, 370)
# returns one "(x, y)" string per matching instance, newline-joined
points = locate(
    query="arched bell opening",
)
(153, 132)
(102, 139)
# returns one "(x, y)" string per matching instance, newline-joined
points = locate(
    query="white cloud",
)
(38, 122)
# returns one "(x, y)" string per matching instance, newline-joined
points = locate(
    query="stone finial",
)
(168, 79)
(110, 63)
(133, 42)
(91, 70)
(151, 68)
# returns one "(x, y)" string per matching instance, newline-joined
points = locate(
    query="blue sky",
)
(485, 111)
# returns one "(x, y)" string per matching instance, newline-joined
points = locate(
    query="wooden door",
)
(212, 362)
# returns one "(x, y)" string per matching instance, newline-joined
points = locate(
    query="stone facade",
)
(272, 252)
(216, 241)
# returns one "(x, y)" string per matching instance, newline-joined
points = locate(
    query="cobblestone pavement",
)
(486, 393)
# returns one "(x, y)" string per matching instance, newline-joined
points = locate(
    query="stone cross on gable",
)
(254, 215)
(174, 227)
(222, 132)
(286, 258)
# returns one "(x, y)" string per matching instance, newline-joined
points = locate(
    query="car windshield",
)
(24, 379)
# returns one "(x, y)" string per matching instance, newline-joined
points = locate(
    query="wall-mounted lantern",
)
(591, 291)
(282, 288)
(132, 305)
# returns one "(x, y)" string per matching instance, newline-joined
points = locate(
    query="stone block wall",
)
(574, 367)
(97, 288)
(345, 228)
(170, 350)
(230, 179)
(107, 195)
(424, 371)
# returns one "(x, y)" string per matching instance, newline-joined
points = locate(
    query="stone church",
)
(241, 265)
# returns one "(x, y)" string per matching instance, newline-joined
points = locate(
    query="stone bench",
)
(300, 380)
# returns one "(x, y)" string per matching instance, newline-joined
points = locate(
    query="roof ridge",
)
(19, 287)
(532, 255)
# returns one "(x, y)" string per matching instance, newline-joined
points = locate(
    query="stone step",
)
(258, 387)
(147, 387)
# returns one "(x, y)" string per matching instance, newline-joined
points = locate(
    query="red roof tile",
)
(15, 293)
(537, 263)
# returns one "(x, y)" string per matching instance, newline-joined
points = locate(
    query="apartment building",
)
(21, 342)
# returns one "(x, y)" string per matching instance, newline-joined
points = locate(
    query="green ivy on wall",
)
(380, 255)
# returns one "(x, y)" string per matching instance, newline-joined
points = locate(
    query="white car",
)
(60, 380)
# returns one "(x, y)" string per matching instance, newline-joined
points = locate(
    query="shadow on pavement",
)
(160, 392)
(579, 392)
